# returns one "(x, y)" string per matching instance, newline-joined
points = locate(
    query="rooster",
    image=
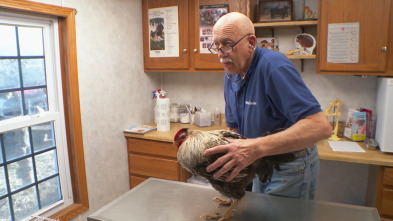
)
(192, 144)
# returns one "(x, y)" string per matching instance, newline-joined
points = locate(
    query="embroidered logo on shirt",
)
(251, 102)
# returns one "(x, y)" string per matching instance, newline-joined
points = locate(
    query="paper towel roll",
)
(163, 124)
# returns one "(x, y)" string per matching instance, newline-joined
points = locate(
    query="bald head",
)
(233, 25)
(235, 29)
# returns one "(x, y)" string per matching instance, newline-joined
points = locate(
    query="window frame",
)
(69, 75)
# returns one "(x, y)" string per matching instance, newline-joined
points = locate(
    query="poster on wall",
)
(208, 16)
(164, 32)
(343, 43)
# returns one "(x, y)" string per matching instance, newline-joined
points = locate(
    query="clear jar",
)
(184, 113)
(174, 115)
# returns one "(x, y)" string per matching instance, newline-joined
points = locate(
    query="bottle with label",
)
(217, 117)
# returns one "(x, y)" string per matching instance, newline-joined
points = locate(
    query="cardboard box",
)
(348, 123)
(356, 125)
(359, 126)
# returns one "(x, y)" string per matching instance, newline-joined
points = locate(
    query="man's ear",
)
(252, 40)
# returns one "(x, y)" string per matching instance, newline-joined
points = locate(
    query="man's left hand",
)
(238, 155)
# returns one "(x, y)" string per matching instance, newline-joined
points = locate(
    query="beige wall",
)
(115, 93)
(114, 90)
(206, 89)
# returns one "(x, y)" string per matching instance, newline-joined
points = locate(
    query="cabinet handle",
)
(195, 50)
(384, 48)
(184, 50)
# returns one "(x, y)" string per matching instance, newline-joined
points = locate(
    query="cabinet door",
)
(210, 61)
(387, 202)
(373, 18)
(181, 62)
(388, 176)
(384, 196)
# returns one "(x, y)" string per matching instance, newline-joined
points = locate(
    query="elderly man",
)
(263, 92)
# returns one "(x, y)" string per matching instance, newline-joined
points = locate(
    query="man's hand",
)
(238, 155)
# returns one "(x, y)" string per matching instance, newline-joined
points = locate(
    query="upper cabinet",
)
(189, 57)
(180, 62)
(368, 26)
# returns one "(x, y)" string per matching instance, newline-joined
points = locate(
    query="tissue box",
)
(203, 119)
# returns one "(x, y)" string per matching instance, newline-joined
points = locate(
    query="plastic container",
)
(370, 141)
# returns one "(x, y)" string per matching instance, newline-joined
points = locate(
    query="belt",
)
(303, 152)
(291, 156)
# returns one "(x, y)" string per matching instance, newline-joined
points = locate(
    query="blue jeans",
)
(296, 179)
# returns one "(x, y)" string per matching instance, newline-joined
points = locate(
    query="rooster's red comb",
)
(179, 132)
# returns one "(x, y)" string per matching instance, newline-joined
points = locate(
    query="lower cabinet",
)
(147, 158)
(384, 202)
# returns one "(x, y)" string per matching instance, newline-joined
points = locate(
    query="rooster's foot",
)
(211, 216)
(216, 217)
(222, 202)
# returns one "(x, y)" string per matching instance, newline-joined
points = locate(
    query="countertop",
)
(374, 157)
(168, 136)
(185, 201)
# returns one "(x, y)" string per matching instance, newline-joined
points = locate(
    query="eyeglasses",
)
(225, 48)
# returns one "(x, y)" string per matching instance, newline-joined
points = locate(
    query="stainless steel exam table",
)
(157, 199)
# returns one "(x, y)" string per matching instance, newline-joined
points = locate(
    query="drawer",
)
(135, 181)
(388, 176)
(154, 167)
(387, 202)
(152, 147)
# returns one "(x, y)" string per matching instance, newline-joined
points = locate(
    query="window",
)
(41, 151)
(34, 175)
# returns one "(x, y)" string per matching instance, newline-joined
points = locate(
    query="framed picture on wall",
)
(273, 11)
(269, 43)
(310, 9)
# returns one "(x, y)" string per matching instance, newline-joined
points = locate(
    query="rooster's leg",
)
(227, 213)
(222, 202)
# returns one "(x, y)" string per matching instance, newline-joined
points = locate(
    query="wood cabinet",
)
(148, 158)
(375, 35)
(384, 201)
(190, 59)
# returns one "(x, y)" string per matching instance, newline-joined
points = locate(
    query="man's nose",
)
(222, 54)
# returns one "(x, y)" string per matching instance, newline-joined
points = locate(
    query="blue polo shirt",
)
(272, 95)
